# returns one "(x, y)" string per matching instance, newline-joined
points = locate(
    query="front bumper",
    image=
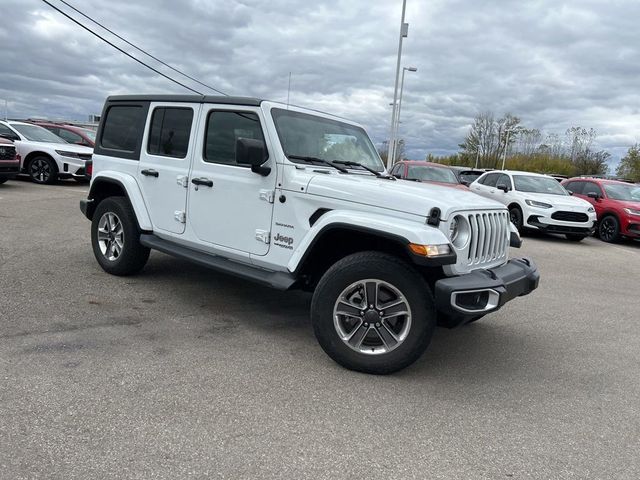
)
(586, 228)
(485, 291)
(9, 168)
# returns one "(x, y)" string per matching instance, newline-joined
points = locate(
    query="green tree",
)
(630, 164)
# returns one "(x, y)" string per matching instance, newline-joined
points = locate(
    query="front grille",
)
(570, 216)
(7, 153)
(489, 237)
(84, 156)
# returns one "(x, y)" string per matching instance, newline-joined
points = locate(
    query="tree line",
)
(492, 141)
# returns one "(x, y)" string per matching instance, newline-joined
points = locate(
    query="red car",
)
(71, 133)
(617, 205)
(9, 161)
(421, 171)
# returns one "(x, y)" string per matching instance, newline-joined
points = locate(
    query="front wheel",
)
(609, 229)
(115, 238)
(373, 313)
(516, 217)
(43, 170)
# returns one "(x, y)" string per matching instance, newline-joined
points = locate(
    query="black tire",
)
(132, 256)
(392, 271)
(609, 229)
(575, 237)
(516, 217)
(3, 180)
(42, 170)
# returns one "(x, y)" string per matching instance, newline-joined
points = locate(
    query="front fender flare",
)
(406, 231)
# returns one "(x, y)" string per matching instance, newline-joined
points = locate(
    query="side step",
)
(277, 280)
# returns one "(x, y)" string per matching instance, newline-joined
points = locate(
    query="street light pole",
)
(404, 30)
(397, 121)
(506, 145)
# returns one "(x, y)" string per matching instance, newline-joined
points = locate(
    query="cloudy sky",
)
(554, 63)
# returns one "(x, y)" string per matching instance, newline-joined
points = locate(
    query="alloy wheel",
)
(607, 229)
(372, 317)
(110, 236)
(40, 170)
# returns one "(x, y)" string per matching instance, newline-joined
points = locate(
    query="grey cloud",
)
(554, 64)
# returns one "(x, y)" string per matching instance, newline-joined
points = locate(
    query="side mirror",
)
(594, 195)
(252, 152)
(570, 192)
(397, 175)
(503, 187)
(465, 183)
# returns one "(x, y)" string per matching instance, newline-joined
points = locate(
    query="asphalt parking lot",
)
(184, 372)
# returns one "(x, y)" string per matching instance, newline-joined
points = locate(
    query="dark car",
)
(9, 161)
(466, 176)
(421, 171)
(617, 205)
(71, 133)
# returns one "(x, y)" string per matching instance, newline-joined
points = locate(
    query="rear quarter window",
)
(121, 130)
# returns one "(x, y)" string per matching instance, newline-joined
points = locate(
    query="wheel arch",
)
(37, 153)
(104, 186)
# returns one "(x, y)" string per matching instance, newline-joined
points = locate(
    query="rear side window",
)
(69, 136)
(122, 129)
(223, 130)
(170, 131)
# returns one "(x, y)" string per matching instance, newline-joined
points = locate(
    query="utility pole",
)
(404, 31)
(506, 145)
(397, 122)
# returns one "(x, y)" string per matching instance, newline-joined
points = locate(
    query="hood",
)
(65, 147)
(558, 201)
(459, 186)
(400, 195)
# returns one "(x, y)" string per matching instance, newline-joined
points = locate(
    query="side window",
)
(223, 129)
(506, 180)
(590, 187)
(123, 127)
(170, 131)
(575, 187)
(397, 170)
(4, 130)
(491, 179)
(69, 136)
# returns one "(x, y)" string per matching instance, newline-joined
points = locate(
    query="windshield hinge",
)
(267, 195)
(263, 235)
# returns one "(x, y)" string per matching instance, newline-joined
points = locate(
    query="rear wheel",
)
(3, 179)
(575, 237)
(43, 170)
(373, 313)
(609, 229)
(115, 238)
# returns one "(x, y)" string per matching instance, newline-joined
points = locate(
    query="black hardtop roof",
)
(244, 101)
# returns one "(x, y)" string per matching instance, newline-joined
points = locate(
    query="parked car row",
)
(43, 155)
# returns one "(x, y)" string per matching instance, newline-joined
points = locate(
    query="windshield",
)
(37, 134)
(526, 183)
(90, 134)
(307, 135)
(630, 193)
(431, 174)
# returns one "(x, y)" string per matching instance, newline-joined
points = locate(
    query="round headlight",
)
(459, 231)
(453, 230)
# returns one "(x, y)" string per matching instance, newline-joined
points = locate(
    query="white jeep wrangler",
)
(294, 198)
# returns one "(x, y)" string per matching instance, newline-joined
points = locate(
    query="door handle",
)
(150, 173)
(202, 181)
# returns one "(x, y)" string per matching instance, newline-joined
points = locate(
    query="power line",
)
(119, 49)
(140, 49)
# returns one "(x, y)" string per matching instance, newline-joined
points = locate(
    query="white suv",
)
(294, 198)
(539, 202)
(44, 156)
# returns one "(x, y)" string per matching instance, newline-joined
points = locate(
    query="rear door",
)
(165, 157)
(486, 186)
(229, 205)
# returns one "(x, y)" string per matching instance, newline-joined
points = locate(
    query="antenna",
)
(289, 90)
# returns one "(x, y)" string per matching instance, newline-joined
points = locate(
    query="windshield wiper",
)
(318, 160)
(349, 163)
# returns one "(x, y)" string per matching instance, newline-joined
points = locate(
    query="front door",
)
(165, 159)
(229, 205)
